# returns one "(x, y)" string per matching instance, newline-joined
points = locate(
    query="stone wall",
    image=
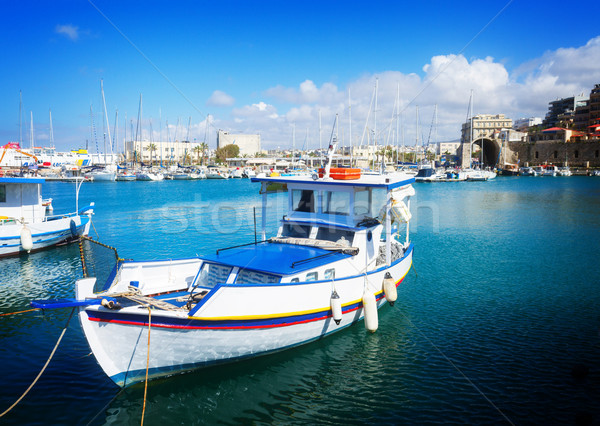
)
(576, 154)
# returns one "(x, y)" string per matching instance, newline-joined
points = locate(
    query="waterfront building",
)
(248, 144)
(523, 124)
(484, 126)
(448, 148)
(168, 152)
(562, 111)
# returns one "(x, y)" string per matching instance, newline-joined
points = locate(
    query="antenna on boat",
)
(332, 146)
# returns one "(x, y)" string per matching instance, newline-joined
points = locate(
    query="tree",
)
(228, 151)
(197, 149)
(152, 148)
(204, 148)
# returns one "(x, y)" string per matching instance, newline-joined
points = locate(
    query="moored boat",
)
(24, 224)
(339, 254)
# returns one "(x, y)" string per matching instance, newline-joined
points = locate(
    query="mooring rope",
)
(43, 368)
(20, 312)
(147, 363)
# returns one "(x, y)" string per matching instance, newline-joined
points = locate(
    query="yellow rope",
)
(147, 363)
(20, 312)
(43, 368)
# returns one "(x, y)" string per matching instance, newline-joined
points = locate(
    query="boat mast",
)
(417, 137)
(160, 135)
(375, 122)
(20, 118)
(106, 117)
(397, 123)
(350, 128)
(471, 131)
(51, 131)
(31, 130)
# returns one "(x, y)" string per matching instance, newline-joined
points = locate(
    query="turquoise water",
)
(503, 304)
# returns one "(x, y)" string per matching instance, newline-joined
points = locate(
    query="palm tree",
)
(197, 149)
(152, 148)
(204, 148)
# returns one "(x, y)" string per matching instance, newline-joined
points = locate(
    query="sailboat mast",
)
(51, 131)
(20, 118)
(106, 118)
(471, 131)
(397, 123)
(31, 130)
(375, 122)
(417, 138)
(350, 128)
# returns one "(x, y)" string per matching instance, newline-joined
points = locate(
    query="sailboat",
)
(107, 173)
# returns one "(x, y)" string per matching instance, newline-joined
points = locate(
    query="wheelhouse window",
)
(336, 202)
(296, 230)
(2, 193)
(303, 201)
(335, 235)
(362, 201)
(253, 277)
(213, 274)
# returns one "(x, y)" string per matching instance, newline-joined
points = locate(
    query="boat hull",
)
(250, 323)
(43, 234)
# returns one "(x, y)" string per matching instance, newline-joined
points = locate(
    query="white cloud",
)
(220, 99)
(69, 31)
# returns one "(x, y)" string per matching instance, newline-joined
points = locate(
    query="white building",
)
(484, 126)
(167, 152)
(249, 144)
(450, 148)
(523, 124)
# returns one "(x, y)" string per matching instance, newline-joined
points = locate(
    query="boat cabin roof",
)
(22, 180)
(276, 258)
(388, 182)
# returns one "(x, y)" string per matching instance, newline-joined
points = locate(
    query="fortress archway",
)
(491, 151)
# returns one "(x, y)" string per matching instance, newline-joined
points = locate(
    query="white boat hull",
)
(236, 322)
(43, 234)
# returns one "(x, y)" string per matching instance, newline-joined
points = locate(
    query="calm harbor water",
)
(503, 304)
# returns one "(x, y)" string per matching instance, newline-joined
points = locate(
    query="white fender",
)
(370, 311)
(26, 240)
(389, 289)
(336, 307)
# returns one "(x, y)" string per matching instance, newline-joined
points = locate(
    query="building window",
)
(3, 190)
(596, 153)
(555, 154)
(576, 154)
(537, 154)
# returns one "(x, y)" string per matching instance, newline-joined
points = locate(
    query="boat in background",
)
(565, 171)
(149, 175)
(25, 225)
(550, 170)
(213, 172)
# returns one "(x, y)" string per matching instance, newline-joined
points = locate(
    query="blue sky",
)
(265, 66)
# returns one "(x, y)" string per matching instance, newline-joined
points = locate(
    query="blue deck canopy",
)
(276, 258)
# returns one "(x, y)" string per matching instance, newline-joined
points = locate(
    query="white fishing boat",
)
(148, 175)
(126, 176)
(216, 173)
(550, 170)
(24, 223)
(564, 171)
(340, 252)
(102, 175)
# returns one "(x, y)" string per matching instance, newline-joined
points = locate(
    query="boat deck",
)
(276, 258)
